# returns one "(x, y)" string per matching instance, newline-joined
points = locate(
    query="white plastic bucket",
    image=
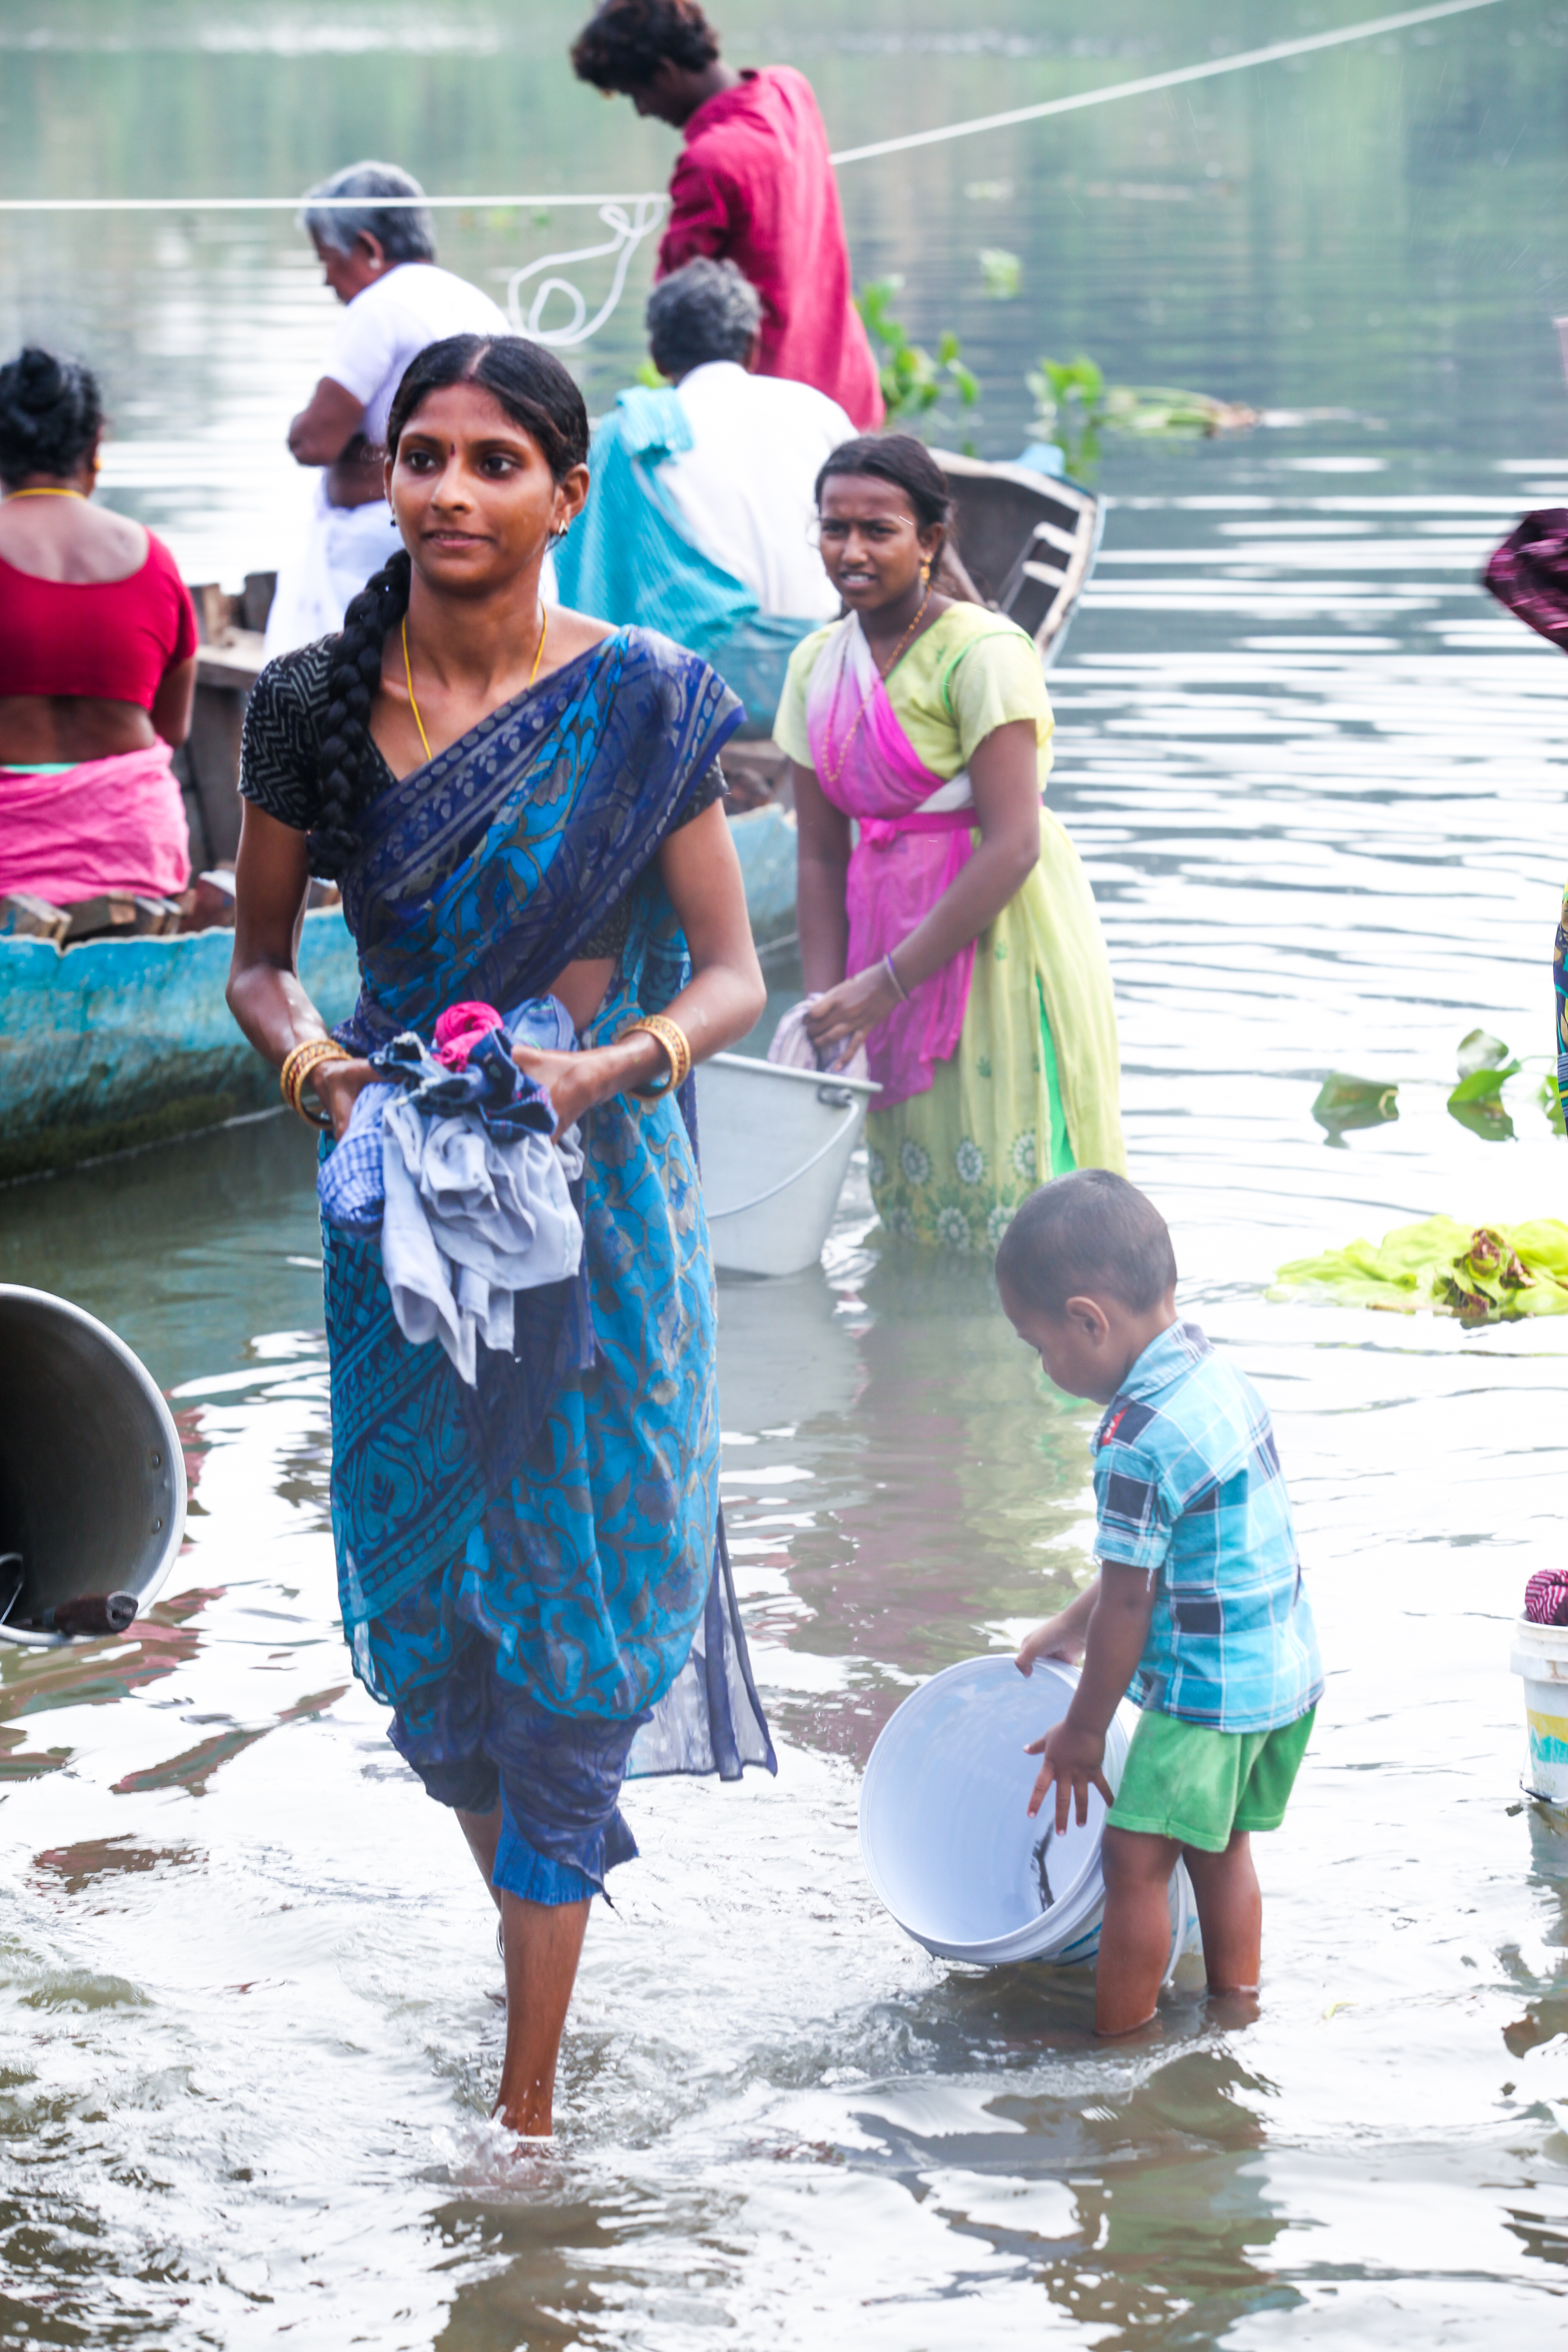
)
(776, 1146)
(1541, 1659)
(946, 1840)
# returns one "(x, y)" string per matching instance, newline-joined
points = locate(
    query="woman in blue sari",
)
(520, 807)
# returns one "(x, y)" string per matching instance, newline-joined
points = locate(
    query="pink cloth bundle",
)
(460, 1029)
(107, 824)
(1546, 1597)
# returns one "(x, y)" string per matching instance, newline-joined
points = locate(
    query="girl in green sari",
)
(957, 936)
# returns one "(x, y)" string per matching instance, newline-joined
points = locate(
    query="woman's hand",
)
(576, 1082)
(843, 1017)
(337, 1086)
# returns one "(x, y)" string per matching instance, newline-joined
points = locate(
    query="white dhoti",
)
(341, 548)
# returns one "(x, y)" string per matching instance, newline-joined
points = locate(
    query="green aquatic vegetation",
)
(914, 383)
(1075, 407)
(1343, 1103)
(1481, 1274)
(1002, 272)
(1485, 1065)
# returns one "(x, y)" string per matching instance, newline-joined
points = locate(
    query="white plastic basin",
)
(776, 1146)
(946, 1840)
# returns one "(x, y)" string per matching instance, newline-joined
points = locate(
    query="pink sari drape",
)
(108, 824)
(904, 860)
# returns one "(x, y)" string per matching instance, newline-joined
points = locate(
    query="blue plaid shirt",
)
(1189, 1489)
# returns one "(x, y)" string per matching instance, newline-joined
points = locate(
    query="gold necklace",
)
(408, 675)
(41, 494)
(831, 774)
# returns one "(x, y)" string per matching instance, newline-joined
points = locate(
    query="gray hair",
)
(403, 232)
(705, 312)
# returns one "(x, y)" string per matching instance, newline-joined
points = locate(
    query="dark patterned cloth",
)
(569, 1581)
(1529, 573)
(1560, 989)
(1546, 1597)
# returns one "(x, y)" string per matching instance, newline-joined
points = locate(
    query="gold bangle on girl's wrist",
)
(676, 1047)
(301, 1065)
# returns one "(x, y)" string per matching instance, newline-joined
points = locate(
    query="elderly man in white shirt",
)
(746, 487)
(379, 259)
(699, 520)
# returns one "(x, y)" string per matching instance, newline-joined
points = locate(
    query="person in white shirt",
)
(701, 521)
(379, 258)
(747, 486)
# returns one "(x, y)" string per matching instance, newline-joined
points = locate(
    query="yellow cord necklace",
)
(50, 493)
(408, 674)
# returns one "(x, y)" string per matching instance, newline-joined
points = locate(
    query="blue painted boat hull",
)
(125, 1042)
(121, 1043)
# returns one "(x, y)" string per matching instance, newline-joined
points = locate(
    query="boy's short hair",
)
(625, 42)
(1083, 1235)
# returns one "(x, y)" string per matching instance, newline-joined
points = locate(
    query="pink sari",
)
(108, 824)
(907, 855)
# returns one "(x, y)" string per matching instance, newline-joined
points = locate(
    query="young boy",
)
(1199, 1591)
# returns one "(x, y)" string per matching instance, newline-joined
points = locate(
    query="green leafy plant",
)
(1001, 271)
(1075, 407)
(914, 383)
(1485, 1065)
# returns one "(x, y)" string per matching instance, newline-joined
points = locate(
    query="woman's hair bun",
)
(50, 415)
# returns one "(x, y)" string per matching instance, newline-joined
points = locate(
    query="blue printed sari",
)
(543, 1623)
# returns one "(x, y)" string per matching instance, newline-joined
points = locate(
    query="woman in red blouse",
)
(98, 660)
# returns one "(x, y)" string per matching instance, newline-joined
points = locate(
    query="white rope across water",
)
(1274, 54)
(631, 218)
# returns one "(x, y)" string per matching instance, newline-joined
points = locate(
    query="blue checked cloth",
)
(1188, 1487)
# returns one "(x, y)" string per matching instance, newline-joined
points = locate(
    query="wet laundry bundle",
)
(1482, 1274)
(448, 1159)
(1546, 1597)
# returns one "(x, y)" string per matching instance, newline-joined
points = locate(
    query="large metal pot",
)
(92, 1480)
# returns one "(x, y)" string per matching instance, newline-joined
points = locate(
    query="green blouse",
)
(971, 672)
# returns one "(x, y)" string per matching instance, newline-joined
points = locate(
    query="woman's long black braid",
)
(538, 394)
(351, 683)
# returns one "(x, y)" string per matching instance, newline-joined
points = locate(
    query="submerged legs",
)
(543, 1943)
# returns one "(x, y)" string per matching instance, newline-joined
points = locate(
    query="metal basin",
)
(92, 1479)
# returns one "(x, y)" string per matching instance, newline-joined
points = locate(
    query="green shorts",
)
(1203, 1787)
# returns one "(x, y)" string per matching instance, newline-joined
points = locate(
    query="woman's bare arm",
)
(1005, 774)
(265, 992)
(172, 703)
(723, 999)
(821, 865)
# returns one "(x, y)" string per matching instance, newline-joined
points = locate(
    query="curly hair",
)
(625, 43)
(50, 416)
(537, 394)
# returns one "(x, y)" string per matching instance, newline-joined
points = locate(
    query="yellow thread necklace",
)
(51, 493)
(408, 674)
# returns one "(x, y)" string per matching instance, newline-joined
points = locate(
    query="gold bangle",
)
(300, 1065)
(676, 1047)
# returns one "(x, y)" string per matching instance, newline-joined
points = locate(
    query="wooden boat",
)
(119, 1042)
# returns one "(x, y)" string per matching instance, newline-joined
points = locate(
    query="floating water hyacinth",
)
(1343, 1103)
(1482, 1274)
(1001, 272)
(1485, 1064)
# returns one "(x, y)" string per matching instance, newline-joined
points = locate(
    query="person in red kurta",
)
(755, 186)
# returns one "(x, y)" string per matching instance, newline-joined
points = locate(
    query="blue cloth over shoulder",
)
(566, 1555)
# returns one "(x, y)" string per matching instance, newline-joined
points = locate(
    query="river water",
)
(247, 1978)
